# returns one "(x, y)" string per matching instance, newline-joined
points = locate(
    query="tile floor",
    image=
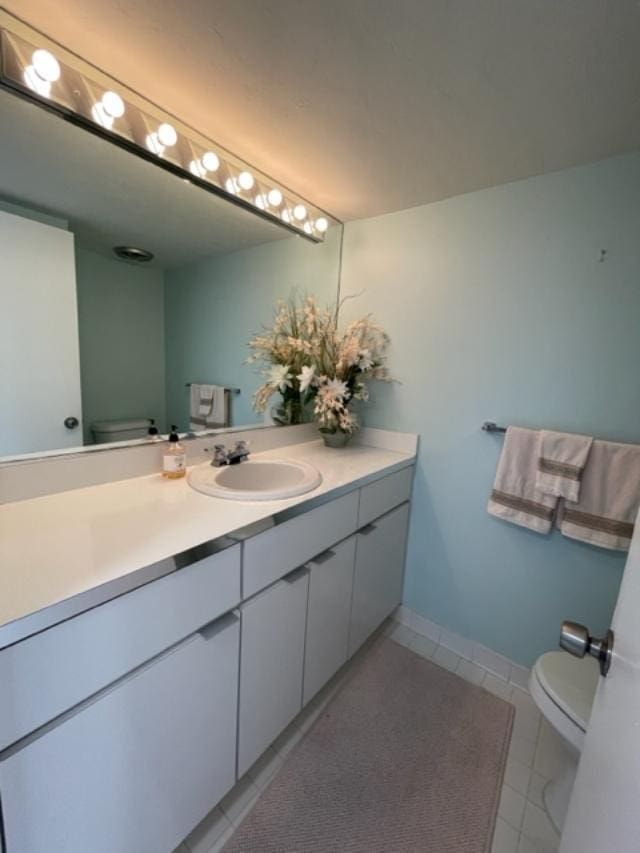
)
(534, 754)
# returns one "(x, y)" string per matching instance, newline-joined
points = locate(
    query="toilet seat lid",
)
(570, 683)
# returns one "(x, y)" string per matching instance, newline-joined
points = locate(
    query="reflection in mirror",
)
(96, 348)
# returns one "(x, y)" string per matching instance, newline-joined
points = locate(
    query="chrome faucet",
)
(222, 456)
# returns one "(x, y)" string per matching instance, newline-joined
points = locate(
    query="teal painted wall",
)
(213, 307)
(499, 308)
(121, 330)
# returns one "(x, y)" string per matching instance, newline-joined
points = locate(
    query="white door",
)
(604, 814)
(39, 355)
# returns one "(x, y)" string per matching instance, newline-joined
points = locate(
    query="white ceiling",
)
(368, 106)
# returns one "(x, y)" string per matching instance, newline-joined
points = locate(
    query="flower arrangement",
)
(308, 360)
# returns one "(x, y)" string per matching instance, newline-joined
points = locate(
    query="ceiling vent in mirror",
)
(132, 253)
(36, 68)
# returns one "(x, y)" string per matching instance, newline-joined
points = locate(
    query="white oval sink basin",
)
(256, 480)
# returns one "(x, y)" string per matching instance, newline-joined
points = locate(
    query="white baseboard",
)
(507, 670)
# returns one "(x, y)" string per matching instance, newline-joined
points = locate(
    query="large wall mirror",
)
(93, 347)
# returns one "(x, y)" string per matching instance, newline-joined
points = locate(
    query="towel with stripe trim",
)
(561, 461)
(514, 497)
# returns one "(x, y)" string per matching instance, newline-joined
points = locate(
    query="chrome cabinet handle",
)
(367, 529)
(71, 422)
(575, 639)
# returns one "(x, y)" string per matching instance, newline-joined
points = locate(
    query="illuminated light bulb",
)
(299, 212)
(210, 161)
(274, 198)
(153, 144)
(46, 65)
(100, 116)
(35, 82)
(196, 168)
(308, 229)
(113, 104)
(259, 202)
(230, 186)
(246, 180)
(321, 224)
(167, 135)
(285, 216)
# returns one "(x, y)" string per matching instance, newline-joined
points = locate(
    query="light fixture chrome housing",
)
(42, 71)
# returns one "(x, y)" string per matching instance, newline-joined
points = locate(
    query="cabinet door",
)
(272, 658)
(330, 588)
(379, 573)
(137, 769)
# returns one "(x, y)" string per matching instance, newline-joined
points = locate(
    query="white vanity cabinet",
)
(271, 664)
(126, 724)
(139, 767)
(328, 615)
(379, 573)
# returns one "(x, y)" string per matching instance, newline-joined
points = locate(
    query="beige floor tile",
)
(511, 807)
(505, 838)
(537, 827)
(423, 646)
(470, 672)
(517, 775)
(207, 832)
(446, 658)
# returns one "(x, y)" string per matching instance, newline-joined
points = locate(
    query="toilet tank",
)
(120, 430)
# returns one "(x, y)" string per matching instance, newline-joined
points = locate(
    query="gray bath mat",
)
(407, 757)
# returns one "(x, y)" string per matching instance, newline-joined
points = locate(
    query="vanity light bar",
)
(34, 67)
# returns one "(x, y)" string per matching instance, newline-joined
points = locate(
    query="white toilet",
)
(563, 687)
(120, 430)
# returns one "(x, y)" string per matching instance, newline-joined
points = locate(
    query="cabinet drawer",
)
(272, 658)
(379, 573)
(385, 494)
(330, 589)
(270, 555)
(51, 672)
(138, 768)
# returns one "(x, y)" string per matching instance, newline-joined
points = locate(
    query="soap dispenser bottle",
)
(174, 459)
(152, 432)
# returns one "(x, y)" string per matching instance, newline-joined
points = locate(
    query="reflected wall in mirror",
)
(88, 338)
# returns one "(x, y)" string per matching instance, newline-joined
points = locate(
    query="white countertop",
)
(56, 548)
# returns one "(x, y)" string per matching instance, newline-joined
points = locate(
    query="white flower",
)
(365, 362)
(337, 388)
(280, 377)
(306, 377)
(361, 392)
(347, 421)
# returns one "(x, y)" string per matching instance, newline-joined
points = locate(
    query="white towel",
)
(609, 497)
(208, 407)
(561, 461)
(207, 393)
(514, 497)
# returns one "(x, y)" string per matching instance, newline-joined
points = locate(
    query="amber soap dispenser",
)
(174, 458)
